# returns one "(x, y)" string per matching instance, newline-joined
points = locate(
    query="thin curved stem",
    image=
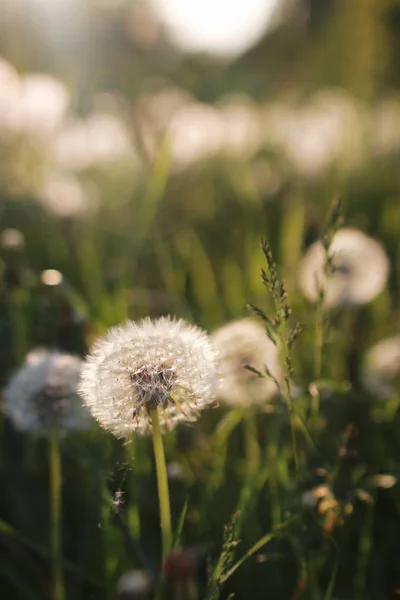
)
(55, 524)
(162, 483)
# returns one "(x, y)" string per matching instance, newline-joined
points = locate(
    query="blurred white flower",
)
(51, 277)
(12, 240)
(98, 140)
(195, 132)
(40, 105)
(381, 367)
(165, 364)
(245, 342)
(175, 472)
(9, 86)
(158, 108)
(65, 196)
(327, 131)
(242, 127)
(361, 269)
(135, 585)
(216, 26)
(42, 395)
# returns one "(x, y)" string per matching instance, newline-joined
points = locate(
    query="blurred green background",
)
(143, 153)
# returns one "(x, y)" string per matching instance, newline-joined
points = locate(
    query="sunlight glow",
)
(226, 27)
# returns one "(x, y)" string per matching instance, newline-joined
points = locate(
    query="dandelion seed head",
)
(42, 395)
(245, 342)
(381, 366)
(361, 269)
(51, 277)
(12, 240)
(165, 364)
(40, 106)
(65, 196)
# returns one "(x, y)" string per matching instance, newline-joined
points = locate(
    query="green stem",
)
(55, 501)
(318, 350)
(272, 459)
(319, 340)
(162, 482)
(286, 389)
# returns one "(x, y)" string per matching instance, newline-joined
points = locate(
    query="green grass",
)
(254, 465)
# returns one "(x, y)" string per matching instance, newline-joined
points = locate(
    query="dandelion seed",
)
(381, 366)
(164, 364)
(240, 343)
(42, 396)
(361, 269)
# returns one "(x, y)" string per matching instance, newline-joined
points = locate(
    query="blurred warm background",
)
(246, 117)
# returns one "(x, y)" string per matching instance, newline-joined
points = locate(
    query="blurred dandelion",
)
(381, 368)
(328, 131)
(65, 196)
(195, 133)
(175, 472)
(241, 126)
(9, 82)
(240, 343)
(134, 585)
(42, 396)
(51, 277)
(40, 106)
(141, 370)
(99, 140)
(12, 240)
(361, 269)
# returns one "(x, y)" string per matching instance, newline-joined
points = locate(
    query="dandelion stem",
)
(162, 482)
(55, 500)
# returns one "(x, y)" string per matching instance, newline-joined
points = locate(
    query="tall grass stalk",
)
(333, 223)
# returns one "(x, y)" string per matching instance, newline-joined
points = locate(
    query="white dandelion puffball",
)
(65, 196)
(42, 395)
(361, 269)
(98, 140)
(240, 343)
(41, 105)
(381, 367)
(165, 364)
